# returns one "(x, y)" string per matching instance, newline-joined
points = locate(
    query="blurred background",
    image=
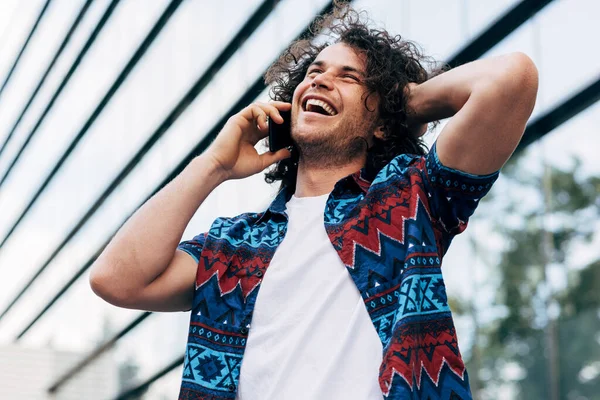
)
(104, 101)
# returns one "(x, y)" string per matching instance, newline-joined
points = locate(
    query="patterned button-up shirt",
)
(391, 235)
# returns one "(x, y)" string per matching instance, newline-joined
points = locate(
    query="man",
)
(347, 257)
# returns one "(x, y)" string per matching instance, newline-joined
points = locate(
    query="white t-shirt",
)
(310, 336)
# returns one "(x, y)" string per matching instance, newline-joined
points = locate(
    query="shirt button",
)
(259, 274)
(244, 330)
(281, 233)
(231, 387)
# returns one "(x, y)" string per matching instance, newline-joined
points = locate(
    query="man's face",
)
(328, 108)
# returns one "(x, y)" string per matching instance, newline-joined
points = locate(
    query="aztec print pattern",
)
(391, 235)
(212, 360)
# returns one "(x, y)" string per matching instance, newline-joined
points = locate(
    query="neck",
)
(315, 181)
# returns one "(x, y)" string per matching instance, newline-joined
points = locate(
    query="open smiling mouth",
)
(319, 107)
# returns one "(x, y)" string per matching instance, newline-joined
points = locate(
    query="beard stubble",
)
(335, 148)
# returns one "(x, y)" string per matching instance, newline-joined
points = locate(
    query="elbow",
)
(110, 287)
(527, 74)
(520, 76)
(101, 283)
(513, 89)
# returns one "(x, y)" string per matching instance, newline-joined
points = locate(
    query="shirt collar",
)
(278, 204)
(359, 178)
(362, 179)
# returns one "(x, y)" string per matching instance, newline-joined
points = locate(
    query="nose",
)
(322, 80)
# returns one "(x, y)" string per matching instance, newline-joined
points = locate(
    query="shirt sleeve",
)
(194, 246)
(453, 195)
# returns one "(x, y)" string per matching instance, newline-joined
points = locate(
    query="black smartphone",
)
(279, 134)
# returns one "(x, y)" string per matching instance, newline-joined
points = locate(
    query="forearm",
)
(444, 95)
(145, 245)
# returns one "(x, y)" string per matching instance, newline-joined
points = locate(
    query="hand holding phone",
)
(233, 152)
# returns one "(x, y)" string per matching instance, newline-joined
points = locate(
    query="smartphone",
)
(279, 134)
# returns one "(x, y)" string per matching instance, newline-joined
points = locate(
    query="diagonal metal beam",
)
(141, 388)
(91, 39)
(62, 291)
(237, 41)
(497, 31)
(61, 48)
(560, 114)
(141, 50)
(31, 33)
(97, 352)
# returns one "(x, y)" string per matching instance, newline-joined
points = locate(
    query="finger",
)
(269, 158)
(259, 116)
(281, 105)
(271, 111)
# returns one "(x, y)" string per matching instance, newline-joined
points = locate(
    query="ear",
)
(379, 134)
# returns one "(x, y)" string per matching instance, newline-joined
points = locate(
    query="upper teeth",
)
(322, 104)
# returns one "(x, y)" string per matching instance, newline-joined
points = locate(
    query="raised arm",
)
(141, 266)
(490, 101)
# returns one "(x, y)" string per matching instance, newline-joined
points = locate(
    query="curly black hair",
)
(391, 63)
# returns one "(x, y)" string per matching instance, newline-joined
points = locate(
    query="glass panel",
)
(115, 141)
(545, 37)
(440, 27)
(49, 35)
(53, 80)
(98, 70)
(16, 22)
